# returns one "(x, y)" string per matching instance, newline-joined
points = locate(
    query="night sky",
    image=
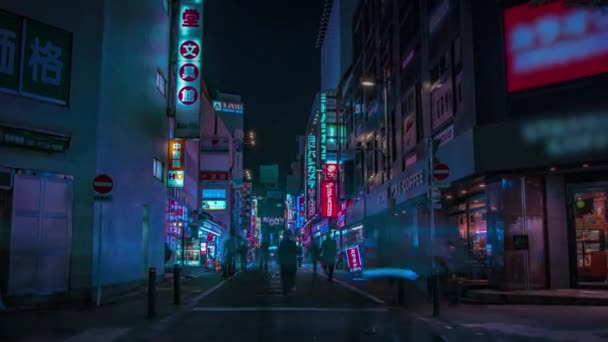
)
(264, 51)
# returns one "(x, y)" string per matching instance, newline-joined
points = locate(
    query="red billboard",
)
(329, 199)
(552, 43)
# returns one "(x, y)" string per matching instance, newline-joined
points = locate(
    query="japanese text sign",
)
(354, 258)
(175, 169)
(35, 59)
(331, 171)
(329, 199)
(311, 175)
(189, 63)
(228, 107)
(554, 43)
(323, 128)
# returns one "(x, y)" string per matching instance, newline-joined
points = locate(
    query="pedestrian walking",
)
(288, 253)
(315, 254)
(264, 246)
(329, 250)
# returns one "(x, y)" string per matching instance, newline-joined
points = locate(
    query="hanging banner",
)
(189, 62)
(331, 171)
(329, 199)
(175, 170)
(311, 176)
(323, 128)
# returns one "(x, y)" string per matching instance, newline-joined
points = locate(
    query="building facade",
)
(68, 114)
(523, 205)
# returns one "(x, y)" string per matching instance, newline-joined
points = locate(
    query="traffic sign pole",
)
(434, 275)
(102, 185)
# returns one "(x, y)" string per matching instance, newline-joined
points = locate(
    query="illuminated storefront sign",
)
(175, 170)
(554, 43)
(189, 62)
(273, 221)
(213, 205)
(329, 199)
(331, 171)
(228, 107)
(323, 128)
(354, 259)
(311, 176)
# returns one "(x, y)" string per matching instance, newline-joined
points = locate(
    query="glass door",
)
(591, 230)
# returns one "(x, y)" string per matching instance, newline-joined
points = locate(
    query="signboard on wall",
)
(213, 176)
(554, 43)
(175, 170)
(189, 62)
(442, 107)
(213, 204)
(215, 145)
(409, 132)
(323, 128)
(228, 107)
(331, 171)
(329, 199)
(311, 176)
(35, 59)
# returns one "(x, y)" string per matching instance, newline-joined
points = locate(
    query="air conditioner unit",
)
(6, 179)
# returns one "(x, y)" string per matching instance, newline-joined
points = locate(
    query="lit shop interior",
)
(591, 228)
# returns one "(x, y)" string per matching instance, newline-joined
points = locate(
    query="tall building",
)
(70, 112)
(519, 170)
(230, 110)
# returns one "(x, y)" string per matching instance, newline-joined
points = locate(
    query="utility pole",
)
(431, 186)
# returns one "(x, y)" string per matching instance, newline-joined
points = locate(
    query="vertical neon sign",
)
(323, 129)
(189, 61)
(311, 176)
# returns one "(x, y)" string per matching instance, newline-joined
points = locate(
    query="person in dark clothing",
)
(288, 253)
(315, 254)
(243, 250)
(264, 246)
(300, 254)
(329, 249)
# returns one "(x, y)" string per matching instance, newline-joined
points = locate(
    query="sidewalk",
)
(499, 322)
(105, 323)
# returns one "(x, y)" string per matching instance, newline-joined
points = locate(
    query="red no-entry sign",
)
(441, 171)
(102, 184)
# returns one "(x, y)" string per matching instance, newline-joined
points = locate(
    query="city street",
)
(251, 306)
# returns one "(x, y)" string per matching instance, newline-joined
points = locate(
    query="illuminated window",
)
(161, 83)
(167, 6)
(158, 169)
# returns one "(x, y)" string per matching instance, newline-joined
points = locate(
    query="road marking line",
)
(98, 334)
(211, 290)
(354, 289)
(283, 309)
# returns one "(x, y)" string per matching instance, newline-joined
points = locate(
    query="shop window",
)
(469, 217)
(591, 225)
(161, 83)
(158, 169)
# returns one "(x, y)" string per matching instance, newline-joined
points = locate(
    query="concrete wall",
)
(133, 129)
(78, 120)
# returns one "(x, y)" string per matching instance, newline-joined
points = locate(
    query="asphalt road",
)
(251, 307)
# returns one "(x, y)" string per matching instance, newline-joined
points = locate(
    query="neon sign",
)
(554, 43)
(329, 199)
(189, 61)
(175, 170)
(228, 107)
(323, 128)
(311, 176)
